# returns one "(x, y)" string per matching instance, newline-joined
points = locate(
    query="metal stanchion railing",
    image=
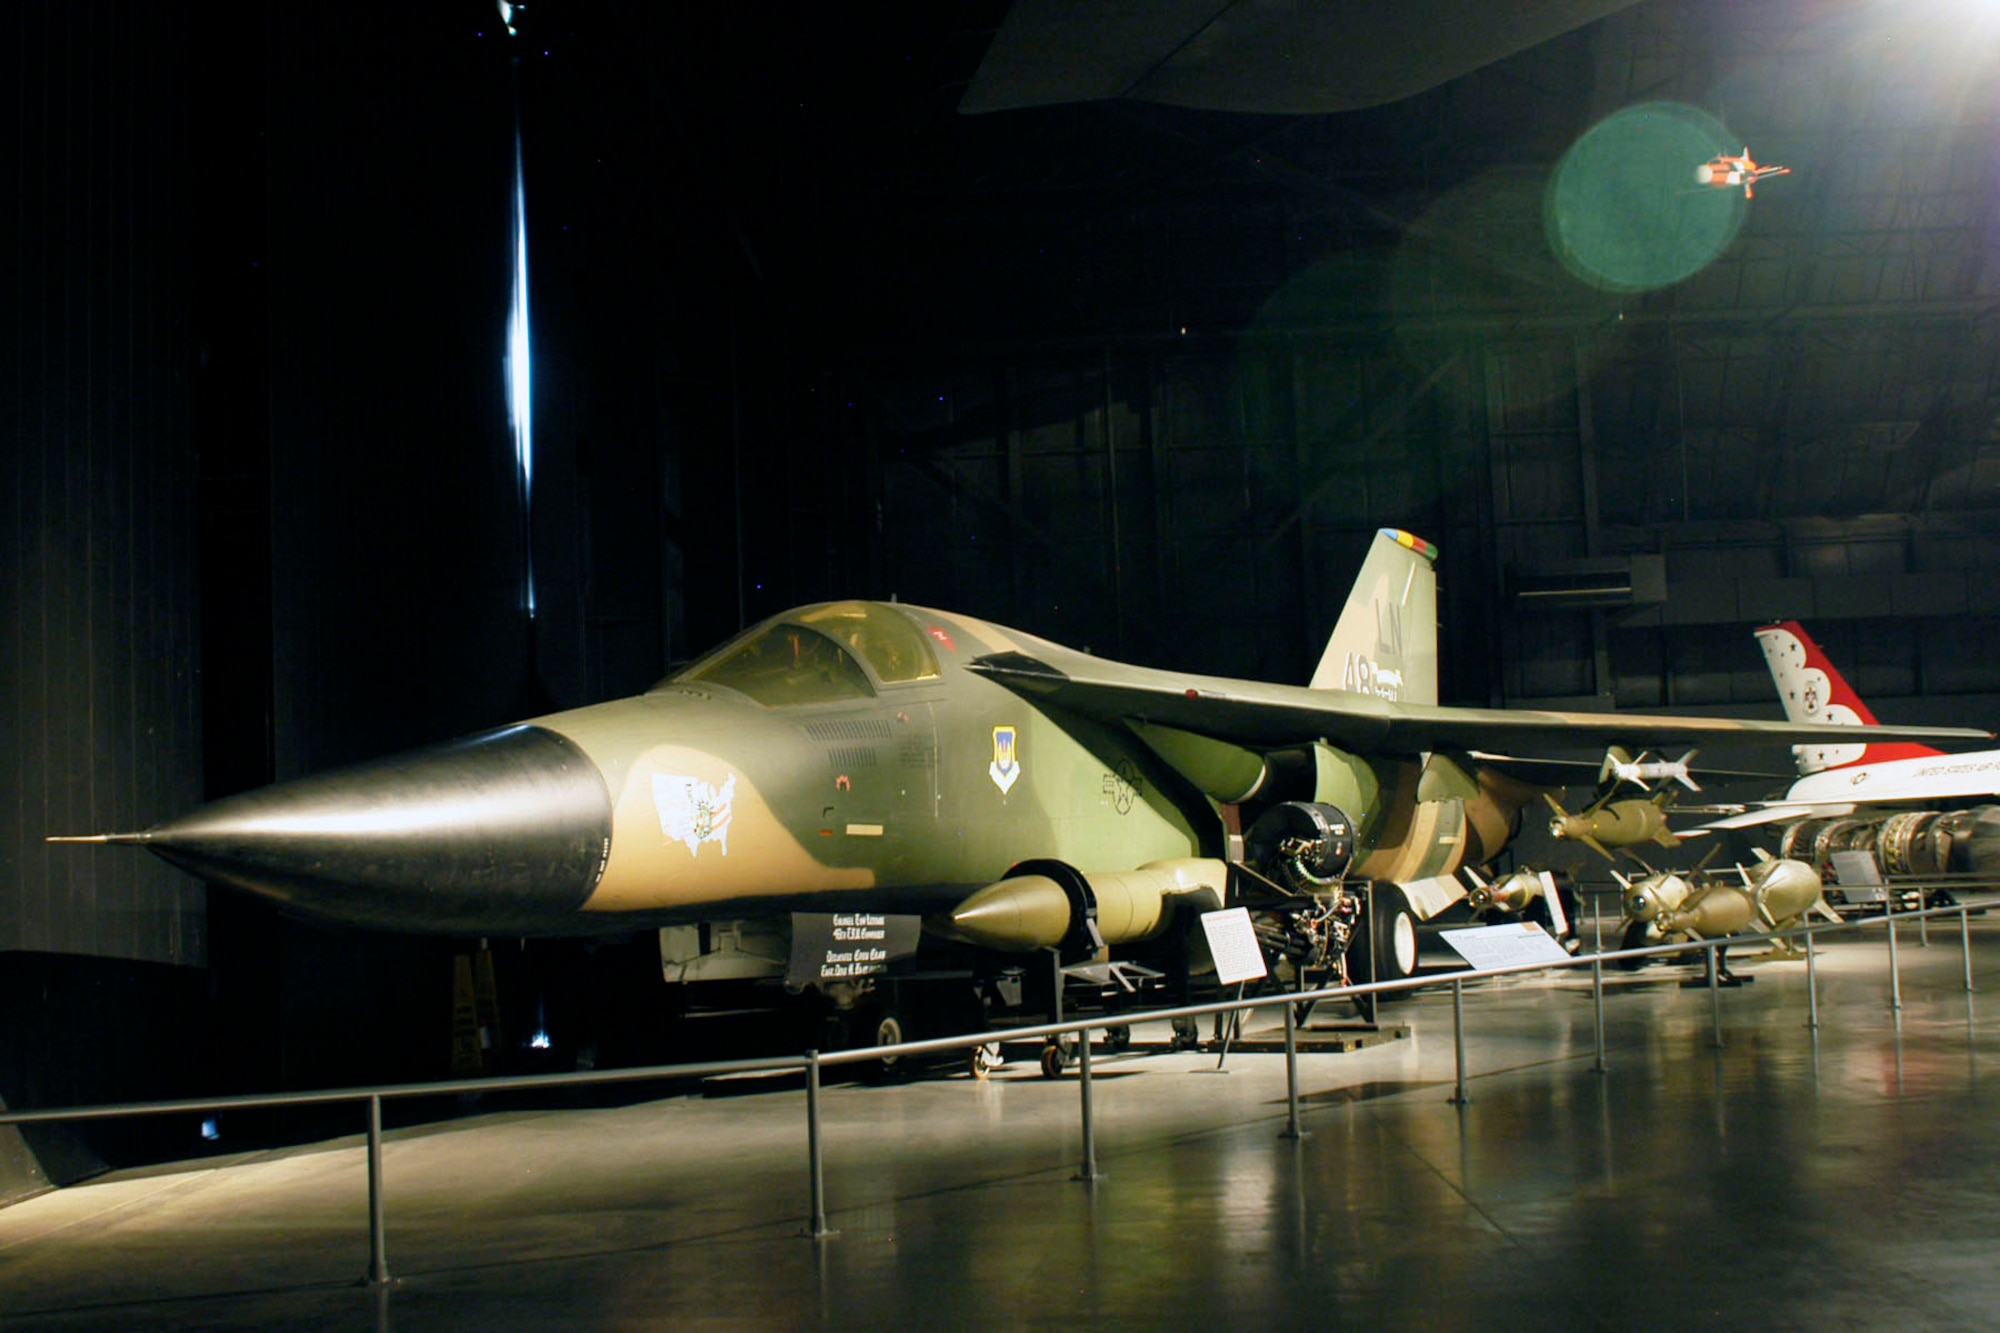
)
(1895, 972)
(1715, 993)
(1597, 1007)
(378, 1241)
(1458, 1096)
(813, 1062)
(1965, 944)
(1292, 1130)
(1812, 983)
(1088, 1172)
(815, 1150)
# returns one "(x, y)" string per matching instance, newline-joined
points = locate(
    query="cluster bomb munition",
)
(1511, 893)
(1607, 825)
(1666, 906)
(928, 783)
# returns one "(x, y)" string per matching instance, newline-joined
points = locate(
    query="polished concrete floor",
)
(1844, 1179)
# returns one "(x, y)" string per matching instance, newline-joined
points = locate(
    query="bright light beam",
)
(520, 374)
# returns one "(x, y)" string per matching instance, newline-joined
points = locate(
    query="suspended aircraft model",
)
(1726, 171)
(848, 790)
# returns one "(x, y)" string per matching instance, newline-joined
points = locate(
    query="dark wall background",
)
(99, 656)
(99, 718)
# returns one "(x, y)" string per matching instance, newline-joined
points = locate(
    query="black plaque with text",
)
(846, 946)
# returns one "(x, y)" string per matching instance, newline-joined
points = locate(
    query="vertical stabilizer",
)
(1813, 691)
(1386, 641)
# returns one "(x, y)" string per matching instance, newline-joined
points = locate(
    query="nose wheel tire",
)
(984, 1059)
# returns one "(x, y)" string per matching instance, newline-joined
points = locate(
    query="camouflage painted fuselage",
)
(912, 795)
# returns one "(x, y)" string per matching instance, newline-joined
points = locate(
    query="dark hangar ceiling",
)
(1254, 55)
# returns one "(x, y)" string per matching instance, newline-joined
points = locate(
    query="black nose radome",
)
(500, 833)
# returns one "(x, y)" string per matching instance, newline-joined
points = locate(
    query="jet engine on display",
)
(897, 810)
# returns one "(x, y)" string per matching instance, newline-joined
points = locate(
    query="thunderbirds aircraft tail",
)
(1836, 779)
(1814, 691)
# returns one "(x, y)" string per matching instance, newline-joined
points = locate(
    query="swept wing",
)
(1258, 715)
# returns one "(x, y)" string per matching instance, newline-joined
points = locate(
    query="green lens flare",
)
(1625, 210)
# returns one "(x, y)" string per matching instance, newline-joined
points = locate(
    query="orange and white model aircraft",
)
(1726, 171)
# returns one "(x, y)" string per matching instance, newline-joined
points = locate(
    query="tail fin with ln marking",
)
(1385, 643)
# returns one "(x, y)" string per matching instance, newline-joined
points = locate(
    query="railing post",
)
(1231, 1023)
(1458, 1096)
(1812, 983)
(1292, 1130)
(1088, 1172)
(815, 1157)
(1715, 994)
(1895, 970)
(1597, 1005)
(378, 1241)
(1965, 943)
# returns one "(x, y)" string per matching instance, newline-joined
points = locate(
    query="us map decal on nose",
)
(693, 812)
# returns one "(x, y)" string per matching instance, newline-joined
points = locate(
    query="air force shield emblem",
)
(1005, 769)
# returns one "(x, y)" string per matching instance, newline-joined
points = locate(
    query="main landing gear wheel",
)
(984, 1059)
(1398, 927)
(1389, 937)
(888, 1032)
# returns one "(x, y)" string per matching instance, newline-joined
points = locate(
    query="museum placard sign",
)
(1232, 942)
(846, 946)
(1510, 945)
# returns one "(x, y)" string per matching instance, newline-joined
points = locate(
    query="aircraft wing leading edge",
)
(1257, 715)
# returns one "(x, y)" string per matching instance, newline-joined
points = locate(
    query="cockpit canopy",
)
(818, 655)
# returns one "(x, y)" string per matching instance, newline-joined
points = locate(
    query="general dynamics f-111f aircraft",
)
(842, 768)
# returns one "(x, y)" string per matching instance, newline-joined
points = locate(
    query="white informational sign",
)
(1232, 942)
(1430, 896)
(1855, 868)
(1510, 945)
